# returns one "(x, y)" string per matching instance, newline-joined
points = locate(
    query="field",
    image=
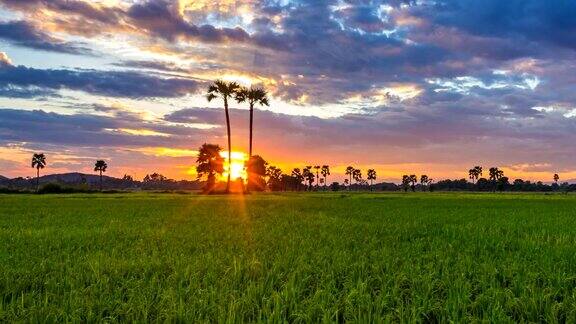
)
(288, 257)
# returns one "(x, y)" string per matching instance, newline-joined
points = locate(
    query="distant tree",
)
(325, 173)
(256, 168)
(405, 182)
(335, 186)
(274, 175)
(357, 175)
(210, 163)
(297, 174)
(556, 177)
(225, 90)
(349, 172)
(308, 176)
(252, 96)
(100, 166)
(317, 167)
(424, 181)
(347, 183)
(503, 182)
(371, 175)
(413, 182)
(154, 178)
(38, 162)
(127, 178)
(475, 173)
(495, 175)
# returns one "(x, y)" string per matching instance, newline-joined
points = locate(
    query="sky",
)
(401, 86)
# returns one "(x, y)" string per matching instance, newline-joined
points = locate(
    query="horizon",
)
(402, 87)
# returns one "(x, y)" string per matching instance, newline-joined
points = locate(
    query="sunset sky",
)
(421, 86)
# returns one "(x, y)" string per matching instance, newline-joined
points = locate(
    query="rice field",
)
(330, 257)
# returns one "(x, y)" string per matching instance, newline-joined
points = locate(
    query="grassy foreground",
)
(295, 257)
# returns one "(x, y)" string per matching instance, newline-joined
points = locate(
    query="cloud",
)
(105, 83)
(22, 33)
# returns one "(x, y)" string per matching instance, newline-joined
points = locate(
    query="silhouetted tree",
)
(371, 175)
(210, 163)
(225, 90)
(252, 96)
(349, 172)
(298, 176)
(325, 173)
(274, 178)
(317, 167)
(256, 170)
(424, 181)
(405, 182)
(38, 162)
(475, 173)
(495, 174)
(556, 177)
(357, 175)
(100, 166)
(413, 182)
(127, 178)
(308, 176)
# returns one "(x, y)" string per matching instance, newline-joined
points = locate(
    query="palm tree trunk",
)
(250, 144)
(37, 179)
(229, 144)
(100, 180)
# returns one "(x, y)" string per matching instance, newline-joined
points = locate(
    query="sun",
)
(238, 168)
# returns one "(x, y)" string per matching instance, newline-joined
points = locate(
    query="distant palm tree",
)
(475, 173)
(357, 175)
(225, 90)
(556, 178)
(317, 167)
(424, 181)
(253, 96)
(38, 162)
(325, 173)
(405, 182)
(495, 175)
(413, 181)
(308, 176)
(371, 175)
(349, 172)
(100, 166)
(297, 174)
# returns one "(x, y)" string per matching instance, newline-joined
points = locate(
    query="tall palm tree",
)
(349, 172)
(100, 166)
(38, 162)
(225, 90)
(371, 175)
(252, 96)
(325, 173)
(317, 167)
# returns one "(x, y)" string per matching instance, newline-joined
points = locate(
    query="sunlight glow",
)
(238, 165)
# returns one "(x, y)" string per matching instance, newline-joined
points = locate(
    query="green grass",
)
(290, 257)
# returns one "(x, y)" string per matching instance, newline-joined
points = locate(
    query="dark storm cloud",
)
(23, 34)
(105, 83)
